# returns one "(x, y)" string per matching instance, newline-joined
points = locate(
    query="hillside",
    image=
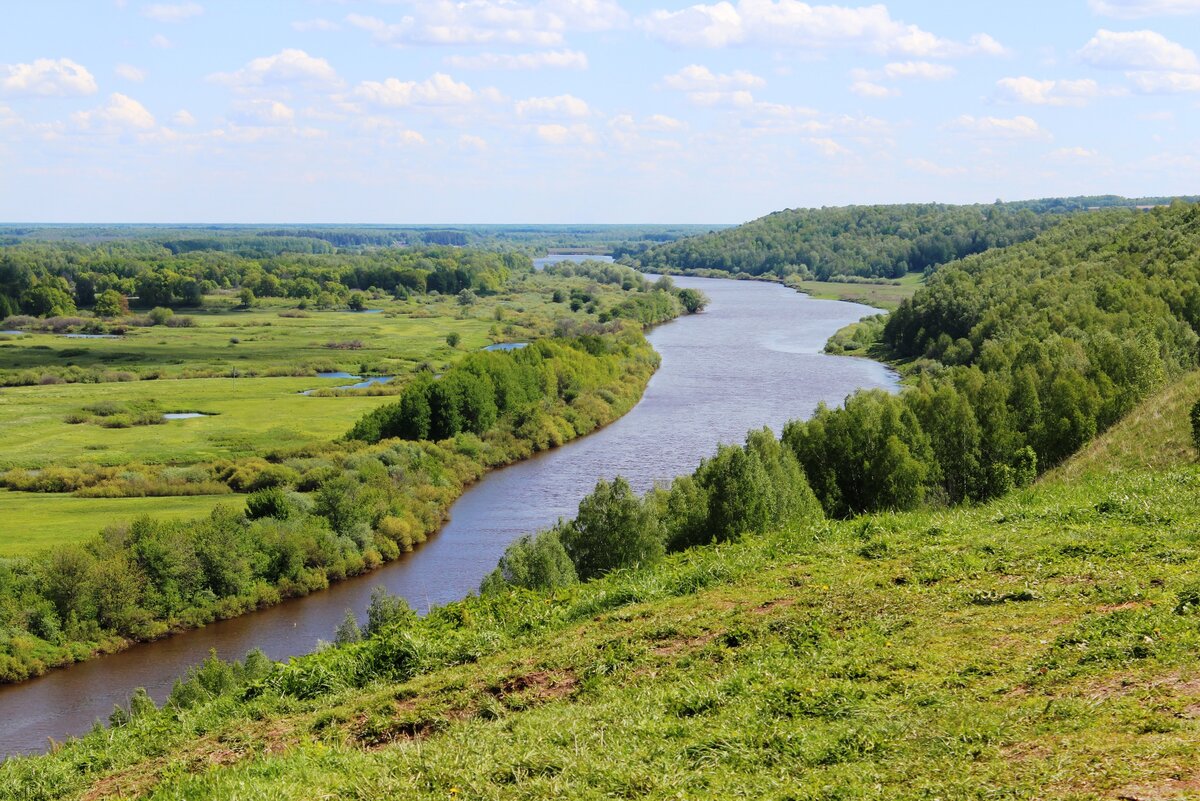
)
(877, 242)
(1044, 644)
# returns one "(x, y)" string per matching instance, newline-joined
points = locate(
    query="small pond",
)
(507, 346)
(184, 415)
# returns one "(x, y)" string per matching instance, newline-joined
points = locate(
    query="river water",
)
(751, 359)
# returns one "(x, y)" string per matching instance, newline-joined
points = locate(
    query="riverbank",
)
(752, 359)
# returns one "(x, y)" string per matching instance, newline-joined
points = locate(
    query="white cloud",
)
(510, 22)
(794, 24)
(1137, 50)
(828, 147)
(472, 142)
(1019, 127)
(664, 124)
(184, 118)
(438, 90)
(172, 12)
(543, 59)
(931, 168)
(130, 73)
(1134, 9)
(919, 69)
(560, 106)
(122, 112)
(1049, 92)
(307, 25)
(160, 42)
(1073, 154)
(1165, 83)
(264, 112)
(697, 78)
(872, 89)
(286, 66)
(555, 134)
(46, 77)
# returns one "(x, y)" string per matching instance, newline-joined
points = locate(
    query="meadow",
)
(245, 368)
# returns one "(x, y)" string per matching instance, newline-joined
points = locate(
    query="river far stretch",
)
(752, 359)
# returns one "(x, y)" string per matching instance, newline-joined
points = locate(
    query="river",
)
(753, 358)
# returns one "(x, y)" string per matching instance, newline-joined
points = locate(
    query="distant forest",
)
(874, 242)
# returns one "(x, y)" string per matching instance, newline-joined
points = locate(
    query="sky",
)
(584, 111)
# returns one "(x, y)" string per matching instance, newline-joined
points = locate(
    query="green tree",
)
(613, 529)
(111, 303)
(533, 562)
(357, 302)
(246, 298)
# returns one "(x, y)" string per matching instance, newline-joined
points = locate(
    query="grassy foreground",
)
(1042, 646)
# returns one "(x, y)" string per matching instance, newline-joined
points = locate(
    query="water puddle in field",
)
(363, 383)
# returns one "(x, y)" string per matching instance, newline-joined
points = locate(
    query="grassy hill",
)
(1041, 646)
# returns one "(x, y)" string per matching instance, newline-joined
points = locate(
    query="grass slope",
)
(882, 296)
(1157, 434)
(1042, 646)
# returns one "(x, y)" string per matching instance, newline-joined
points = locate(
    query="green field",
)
(35, 521)
(245, 368)
(882, 296)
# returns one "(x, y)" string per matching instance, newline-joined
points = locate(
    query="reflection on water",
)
(752, 359)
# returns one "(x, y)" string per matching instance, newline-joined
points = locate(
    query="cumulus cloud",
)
(121, 113)
(172, 12)
(560, 106)
(555, 134)
(1165, 83)
(1135, 9)
(1137, 50)
(286, 66)
(183, 118)
(46, 77)
(543, 59)
(697, 78)
(799, 25)
(438, 90)
(510, 22)
(1048, 92)
(264, 112)
(919, 69)
(872, 89)
(1073, 154)
(472, 142)
(160, 42)
(1019, 127)
(130, 73)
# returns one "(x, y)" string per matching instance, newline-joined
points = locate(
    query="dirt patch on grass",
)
(1166, 790)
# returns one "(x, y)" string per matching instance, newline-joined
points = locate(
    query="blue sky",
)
(411, 111)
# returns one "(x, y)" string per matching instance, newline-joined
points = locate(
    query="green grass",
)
(882, 296)
(1157, 434)
(34, 521)
(1044, 646)
(250, 415)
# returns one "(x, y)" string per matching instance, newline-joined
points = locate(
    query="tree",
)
(357, 302)
(613, 529)
(111, 303)
(533, 562)
(453, 338)
(467, 298)
(246, 298)
(159, 315)
(348, 631)
(693, 300)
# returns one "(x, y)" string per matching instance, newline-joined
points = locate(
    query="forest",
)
(1015, 360)
(878, 242)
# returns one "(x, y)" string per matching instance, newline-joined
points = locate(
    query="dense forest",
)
(1018, 358)
(865, 241)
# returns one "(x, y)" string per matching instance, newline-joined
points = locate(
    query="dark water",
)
(751, 359)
